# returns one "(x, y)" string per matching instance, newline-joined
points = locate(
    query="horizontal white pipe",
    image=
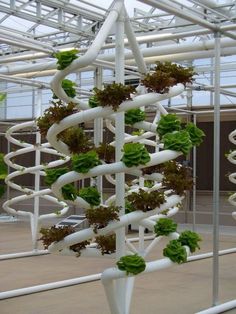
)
(210, 254)
(49, 286)
(23, 254)
(222, 308)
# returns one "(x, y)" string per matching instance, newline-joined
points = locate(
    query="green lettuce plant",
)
(175, 252)
(91, 195)
(164, 226)
(196, 134)
(83, 162)
(3, 174)
(93, 101)
(135, 154)
(134, 115)
(113, 95)
(190, 239)
(107, 243)
(68, 87)
(167, 124)
(131, 264)
(146, 201)
(65, 58)
(178, 140)
(68, 191)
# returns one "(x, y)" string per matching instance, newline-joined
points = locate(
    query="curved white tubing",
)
(35, 218)
(232, 177)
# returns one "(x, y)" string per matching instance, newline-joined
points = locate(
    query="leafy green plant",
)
(68, 87)
(146, 201)
(135, 154)
(164, 226)
(83, 162)
(167, 124)
(190, 239)
(99, 217)
(3, 167)
(64, 58)
(178, 140)
(128, 207)
(91, 195)
(93, 101)
(106, 152)
(175, 252)
(113, 95)
(132, 264)
(165, 75)
(107, 243)
(68, 191)
(56, 234)
(54, 114)
(76, 140)
(134, 115)
(196, 134)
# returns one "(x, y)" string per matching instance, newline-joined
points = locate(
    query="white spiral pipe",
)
(232, 177)
(8, 206)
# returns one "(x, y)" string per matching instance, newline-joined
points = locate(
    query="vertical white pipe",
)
(120, 178)
(216, 171)
(141, 228)
(35, 218)
(194, 179)
(98, 127)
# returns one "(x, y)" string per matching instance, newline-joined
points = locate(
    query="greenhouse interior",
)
(117, 156)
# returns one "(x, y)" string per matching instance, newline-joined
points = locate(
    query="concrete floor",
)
(181, 289)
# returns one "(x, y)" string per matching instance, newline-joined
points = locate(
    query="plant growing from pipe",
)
(65, 58)
(135, 154)
(164, 226)
(107, 243)
(131, 264)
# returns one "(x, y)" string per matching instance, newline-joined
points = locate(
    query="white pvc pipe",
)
(49, 286)
(23, 254)
(222, 308)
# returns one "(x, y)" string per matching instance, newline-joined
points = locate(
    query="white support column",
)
(216, 172)
(35, 217)
(120, 177)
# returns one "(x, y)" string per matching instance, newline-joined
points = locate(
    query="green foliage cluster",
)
(93, 101)
(91, 195)
(134, 115)
(196, 134)
(64, 58)
(106, 152)
(99, 217)
(175, 252)
(135, 154)
(3, 174)
(132, 264)
(113, 95)
(175, 249)
(83, 162)
(172, 135)
(178, 140)
(68, 87)
(168, 123)
(164, 226)
(107, 243)
(54, 114)
(56, 234)
(190, 239)
(146, 201)
(76, 140)
(167, 74)
(68, 191)
(128, 207)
